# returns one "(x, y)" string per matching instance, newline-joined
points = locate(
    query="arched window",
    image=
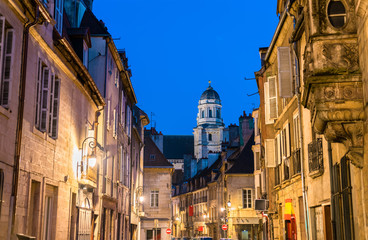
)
(210, 113)
(209, 137)
(202, 114)
(218, 113)
(336, 13)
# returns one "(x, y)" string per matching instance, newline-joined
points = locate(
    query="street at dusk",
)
(183, 120)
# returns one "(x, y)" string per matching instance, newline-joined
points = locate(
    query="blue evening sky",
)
(174, 47)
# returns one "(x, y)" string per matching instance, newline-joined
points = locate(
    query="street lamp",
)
(88, 156)
(138, 198)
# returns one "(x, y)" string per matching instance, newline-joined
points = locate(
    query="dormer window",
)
(336, 14)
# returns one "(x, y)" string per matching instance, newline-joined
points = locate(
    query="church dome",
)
(210, 94)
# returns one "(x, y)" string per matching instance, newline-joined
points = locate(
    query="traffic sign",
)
(168, 231)
(224, 227)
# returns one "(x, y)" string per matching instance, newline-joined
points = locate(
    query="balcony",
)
(315, 157)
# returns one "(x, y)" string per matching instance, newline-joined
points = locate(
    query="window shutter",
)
(51, 102)
(55, 109)
(285, 72)
(267, 103)
(7, 68)
(270, 153)
(44, 98)
(288, 143)
(38, 94)
(272, 90)
(114, 126)
(2, 36)
(108, 115)
(279, 147)
(59, 15)
(117, 78)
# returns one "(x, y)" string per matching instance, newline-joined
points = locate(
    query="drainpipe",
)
(330, 163)
(297, 85)
(18, 136)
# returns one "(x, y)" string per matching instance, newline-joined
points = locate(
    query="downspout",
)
(330, 163)
(19, 128)
(297, 86)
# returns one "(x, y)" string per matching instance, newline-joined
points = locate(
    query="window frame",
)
(248, 201)
(154, 198)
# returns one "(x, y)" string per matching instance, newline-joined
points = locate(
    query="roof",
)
(153, 157)
(210, 94)
(95, 27)
(244, 162)
(176, 146)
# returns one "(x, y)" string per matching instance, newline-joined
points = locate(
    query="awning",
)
(289, 210)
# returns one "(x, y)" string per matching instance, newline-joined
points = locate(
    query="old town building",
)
(311, 121)
(157, 212)
(66, 114)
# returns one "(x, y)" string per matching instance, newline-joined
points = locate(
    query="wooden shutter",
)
(2, 41)
(288, 143)
(267, 103)
(270, 152)
(279, 147)
(272, 94)
(59, 15)
(285, 72)
(7, 68)
(38, 94)
(45, 86)
(54, 114)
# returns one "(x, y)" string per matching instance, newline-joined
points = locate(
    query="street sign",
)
(168, 231)
(224, 227)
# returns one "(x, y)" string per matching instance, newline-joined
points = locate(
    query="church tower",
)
(208, 134)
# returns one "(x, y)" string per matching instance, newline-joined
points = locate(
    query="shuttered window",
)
(285, 72)
(270, 89)
(6, 61)
(154, 198)
(108, 115)
(117, 77)
(47, 101)
(59, 15)
(114, 129)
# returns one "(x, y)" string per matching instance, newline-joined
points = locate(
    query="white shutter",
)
(59, 15)
(7, 68)
(270, 153)
(285, 72)
(45, 86)
(279, 147)
(267, 103)
(287, 140)
(272, 94)
(108, 115)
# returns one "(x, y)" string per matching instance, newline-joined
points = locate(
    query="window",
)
(121, 165)
(122, 104)
(247, 198)
(6, 61)
(336, 14)
(270, 90)
(210, 137)
(154, 234)
(154, 199)
(116, 77)
(47, 101)
(108, 115)
(152, 156)
(115, 126)
(210, 113)
(48, 228)
(218, 113)
(202, 114)
(285, 72)
(85, 54)
(59, 16)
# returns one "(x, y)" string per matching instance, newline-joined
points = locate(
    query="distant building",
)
(157, 212)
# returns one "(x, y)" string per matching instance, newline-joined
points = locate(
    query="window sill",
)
(316, 173)
(43, 135)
